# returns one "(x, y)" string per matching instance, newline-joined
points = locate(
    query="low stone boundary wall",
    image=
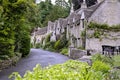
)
(7, 63)
(76, 53)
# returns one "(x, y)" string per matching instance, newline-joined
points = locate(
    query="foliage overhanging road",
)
(36, 56)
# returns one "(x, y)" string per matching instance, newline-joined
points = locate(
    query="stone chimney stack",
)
(72, 9)
(84, 5)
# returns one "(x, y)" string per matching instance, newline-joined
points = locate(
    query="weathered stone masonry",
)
(103, 12)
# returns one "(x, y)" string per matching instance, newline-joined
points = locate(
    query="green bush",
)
(7, 39)
(47, 39)
(38, 45)
(116, 60)
(70, 70)
(52, 43)
(31, 45)
(105, 59)
(46, 45)
(64, 51)
(114, 74)
(58, 45)
(64, 41)
(25, 44)
(101, 66)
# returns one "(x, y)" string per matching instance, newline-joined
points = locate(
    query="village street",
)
(36, 56)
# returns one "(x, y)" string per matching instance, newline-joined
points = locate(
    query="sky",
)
(53, 1)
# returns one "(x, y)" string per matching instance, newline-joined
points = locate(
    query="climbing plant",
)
(93, 25)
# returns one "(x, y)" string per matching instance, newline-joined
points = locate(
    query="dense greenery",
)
(101, 29)
(46, 11)
(14, 26)
(71, 70)
(102, 68)
(93, 25)
(114, 62)
(60, 45)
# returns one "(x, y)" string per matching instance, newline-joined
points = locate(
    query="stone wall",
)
(109, 38)
(9, 62)
(76, 53)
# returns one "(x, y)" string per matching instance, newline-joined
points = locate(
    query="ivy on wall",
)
(100, 29)
(114, 28)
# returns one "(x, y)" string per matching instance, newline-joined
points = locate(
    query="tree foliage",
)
(70, 70)
(49, 12)
(13, 23)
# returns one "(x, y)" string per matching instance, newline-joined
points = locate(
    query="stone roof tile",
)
(41, 31)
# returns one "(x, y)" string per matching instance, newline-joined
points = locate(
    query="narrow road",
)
(36, 56)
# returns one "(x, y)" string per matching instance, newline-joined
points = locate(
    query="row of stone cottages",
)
(103, 12)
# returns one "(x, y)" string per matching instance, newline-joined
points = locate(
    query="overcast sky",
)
(53, 1)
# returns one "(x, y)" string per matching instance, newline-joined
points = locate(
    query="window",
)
(71, 26)
(78, 38)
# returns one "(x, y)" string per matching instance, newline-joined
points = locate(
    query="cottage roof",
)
(41, 31)
(64, 23)
(88, 11)
(108, 13)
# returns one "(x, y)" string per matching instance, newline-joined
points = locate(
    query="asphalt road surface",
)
(36, 56)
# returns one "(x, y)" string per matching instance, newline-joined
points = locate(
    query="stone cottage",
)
(103, 12)
(59, 28)
(76, 25)
(38, 35)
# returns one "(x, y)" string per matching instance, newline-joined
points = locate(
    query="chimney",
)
(72, 9)
(84, 5)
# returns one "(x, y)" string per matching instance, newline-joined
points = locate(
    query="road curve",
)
(36, 56)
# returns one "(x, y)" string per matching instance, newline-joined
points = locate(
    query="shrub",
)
(46, 45)
(64, 51)
(116, 60)
(52, 43)
(114, 74)
(38, 45)
(105, 59)
(64, 41)
(6, 40)
(47, 39)
(31, 45)
(101, 66)
(25, 44)
(70, 70)
(58, 45)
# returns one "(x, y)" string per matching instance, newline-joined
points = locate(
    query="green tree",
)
(44, 9)
(60, 10)
(49, 12)
(13, 21)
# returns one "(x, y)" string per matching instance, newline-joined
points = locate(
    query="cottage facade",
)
(76, 25)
